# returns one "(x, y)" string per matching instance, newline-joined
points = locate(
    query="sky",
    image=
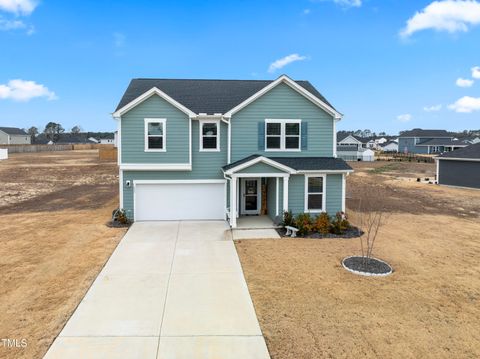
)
(387, 65)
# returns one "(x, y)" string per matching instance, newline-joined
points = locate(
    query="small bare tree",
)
(371, 217)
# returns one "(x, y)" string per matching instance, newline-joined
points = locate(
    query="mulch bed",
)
(353, 232)
(367, 266)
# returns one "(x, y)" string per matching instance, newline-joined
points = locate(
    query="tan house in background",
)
(13, 136)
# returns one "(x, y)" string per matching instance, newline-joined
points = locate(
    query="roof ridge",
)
(193, 79)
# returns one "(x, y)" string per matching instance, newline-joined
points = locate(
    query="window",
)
(282, 135)
(155, 135)
(314, 193)
(209, 136)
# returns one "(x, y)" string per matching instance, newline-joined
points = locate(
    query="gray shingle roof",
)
(347, 148)
(418, 132)
(441, 142)
(301, 163)
(469, 152)
(205, 96)
(13, 131)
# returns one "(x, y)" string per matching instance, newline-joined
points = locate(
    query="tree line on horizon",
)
(53, 131)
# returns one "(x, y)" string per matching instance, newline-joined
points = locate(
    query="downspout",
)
(229, 139)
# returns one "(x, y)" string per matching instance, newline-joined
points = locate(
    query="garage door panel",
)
(186, 201)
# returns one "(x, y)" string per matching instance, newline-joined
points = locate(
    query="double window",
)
(155, 135)
(282, 135)
(315, 193)
(209, 135)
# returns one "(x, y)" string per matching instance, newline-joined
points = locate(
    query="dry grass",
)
(54, 241)
(310, 307)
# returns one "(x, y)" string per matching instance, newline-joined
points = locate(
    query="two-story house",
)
(427, 141)
(221, 149)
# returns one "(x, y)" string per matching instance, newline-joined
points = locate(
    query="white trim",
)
(229, 149)
(324, 171)
(256, 160)
(252, 175)
(163, 121)
(285, 194)
(120, 189)
(438, 171)
(323, 193)
(190, 141)
(148, 94)
(457, 159)
(200, 135)
(243, 195)
(119, 140)
(344, 191)
(335, 138)
(233, 202)
(277, 190)
(286, 80)
(156, 167)
(283, 135)
(178, 181)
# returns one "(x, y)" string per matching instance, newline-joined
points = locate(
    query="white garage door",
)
(179, 201)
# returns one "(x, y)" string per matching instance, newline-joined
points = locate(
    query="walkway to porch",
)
(255, 222)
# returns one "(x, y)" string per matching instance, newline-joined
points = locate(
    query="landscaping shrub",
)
(340, 223)
(304, 223)
(322, 223)
(288, 219)
(120, 216)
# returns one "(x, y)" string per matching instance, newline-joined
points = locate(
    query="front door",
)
(250, 196)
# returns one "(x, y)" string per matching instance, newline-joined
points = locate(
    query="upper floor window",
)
(209, 135)
(282, 135)
(155, 135)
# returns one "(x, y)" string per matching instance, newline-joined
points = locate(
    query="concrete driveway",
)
(171, 290)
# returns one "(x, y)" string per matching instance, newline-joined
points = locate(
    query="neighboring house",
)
(354, 153)
(350, 140)
(440, 145)
(470, 140)
(390, 146)
(211, 149)
(460, 167)
(108, 140)
(14, 136)
(66, 139)
(422, 141)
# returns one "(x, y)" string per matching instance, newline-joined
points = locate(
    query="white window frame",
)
(323, 193)
(200, 134)
(163, 121)
(283, 135)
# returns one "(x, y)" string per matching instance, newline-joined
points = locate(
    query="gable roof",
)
(418, 132)
(299, 163)
(469, 152)
(13, 131)
(206, 96)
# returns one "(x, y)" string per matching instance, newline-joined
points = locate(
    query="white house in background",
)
(14, 136)
(107, 141)
(390, 146)
(3, 153)
(349, 140)
(354, 153)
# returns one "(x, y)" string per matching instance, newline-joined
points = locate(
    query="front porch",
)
(255, 222)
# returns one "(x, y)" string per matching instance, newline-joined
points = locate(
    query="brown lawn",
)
(310, 307)
(54, 241)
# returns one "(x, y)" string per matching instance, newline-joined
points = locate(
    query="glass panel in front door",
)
(251, 195)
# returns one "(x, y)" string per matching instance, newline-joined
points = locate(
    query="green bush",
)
(288, 219)
(304, 223)
(322, 223)
(120, 216)
(340, 223)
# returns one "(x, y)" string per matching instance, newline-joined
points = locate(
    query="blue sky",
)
(73, 59)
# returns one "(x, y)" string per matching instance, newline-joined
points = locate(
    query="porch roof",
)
(292, 164)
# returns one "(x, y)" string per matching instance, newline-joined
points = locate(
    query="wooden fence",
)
(36, 148)
(107, 153)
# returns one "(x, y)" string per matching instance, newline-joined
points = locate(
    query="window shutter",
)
(304, 135)
(261, 136)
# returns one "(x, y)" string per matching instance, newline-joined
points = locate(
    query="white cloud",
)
(21, 90)
(404, 118)
(464, 82)
(18, 7)
(284, 61)
(466, 104)
(307, 11)
(445, 15)
(344, 3)
(476, 72)
(9, 25)
(433, 108)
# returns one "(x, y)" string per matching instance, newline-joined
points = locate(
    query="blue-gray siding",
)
(459, 173)
(282, 102)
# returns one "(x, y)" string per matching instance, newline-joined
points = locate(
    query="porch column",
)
(277, 190)
(285, 193)
(233, 202)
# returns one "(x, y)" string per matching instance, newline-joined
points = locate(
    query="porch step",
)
(256, 233)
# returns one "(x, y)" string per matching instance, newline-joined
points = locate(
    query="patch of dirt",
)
(53, 243)
(309, 306)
